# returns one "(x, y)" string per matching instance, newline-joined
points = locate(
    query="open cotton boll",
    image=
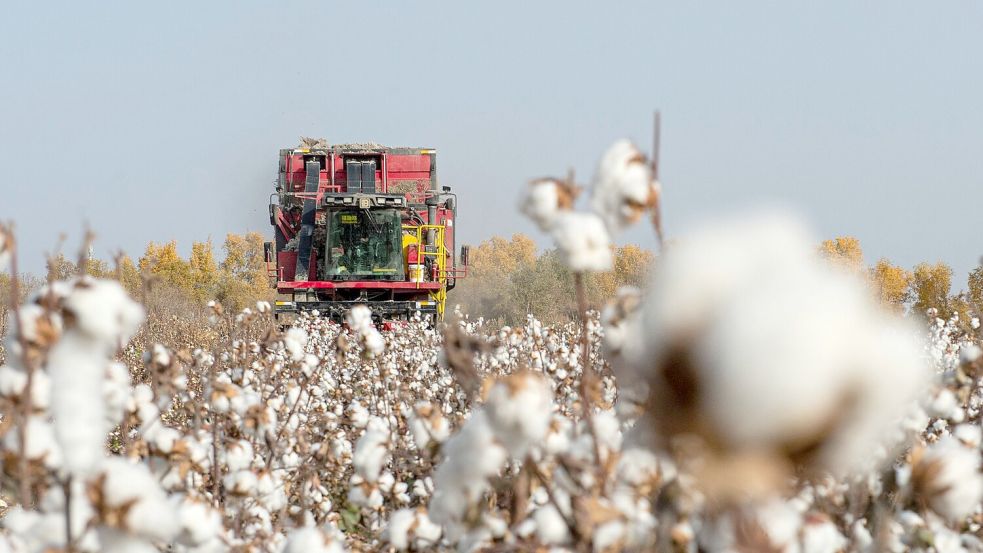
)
(138, 505)
(472, 456)
(102, 310)
(582, 242)
(946, 476)
(77, 365)
(773, 351)
(313, 540)
(519, 408)
(544, 199)
(239, 455)
(359, 318)
(200, 523)
(294, 341)
(372, 450)
(411, 528)
(623, 186)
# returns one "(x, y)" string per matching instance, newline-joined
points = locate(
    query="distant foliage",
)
(931, 284)
(891, 283)
(844, 251)
(507, 280)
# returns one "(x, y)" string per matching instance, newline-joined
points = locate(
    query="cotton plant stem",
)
(69, 541)
(586, 373)
(23, 467)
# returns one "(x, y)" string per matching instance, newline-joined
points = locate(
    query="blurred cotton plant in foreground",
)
(750, 398)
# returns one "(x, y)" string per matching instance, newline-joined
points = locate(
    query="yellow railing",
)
(437, 251)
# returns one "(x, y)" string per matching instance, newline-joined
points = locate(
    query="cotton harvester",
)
(362, 224)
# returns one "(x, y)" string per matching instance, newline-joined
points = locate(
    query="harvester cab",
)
(362, 224)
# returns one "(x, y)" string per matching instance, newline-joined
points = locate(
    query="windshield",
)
(364, 244)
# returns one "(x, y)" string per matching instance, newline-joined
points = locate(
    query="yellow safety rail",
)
(440, 253)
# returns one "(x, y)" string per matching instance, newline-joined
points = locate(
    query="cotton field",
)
(751, 398)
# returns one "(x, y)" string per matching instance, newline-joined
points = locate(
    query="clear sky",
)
(158, 121)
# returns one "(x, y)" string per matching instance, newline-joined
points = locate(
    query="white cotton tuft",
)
(313, 540)
(359, 320)
(540, 202)
(103, 311)
(783, 349)
(582, 242)
(372, 450)
(150, 514)
(411, 529)
(623, 186)
(77, 366)
(295, 340)
(472, 456)
(200, 523)
(947, 477)
(519, 409)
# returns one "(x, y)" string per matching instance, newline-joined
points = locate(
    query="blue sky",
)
(162, 121)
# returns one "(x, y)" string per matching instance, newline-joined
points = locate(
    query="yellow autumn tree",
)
(930, 286)
(128, 275)
(163, 262)
(891, 283)
(844, 251)
(631, 265)
(975, 293)
(204, 270)
(488, 289)
(243, 279)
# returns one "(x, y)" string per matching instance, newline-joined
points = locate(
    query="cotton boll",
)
(820, 535)
(472, 456)
(544, 199)
(411, 528)
(748, 331)
(359, 318)
(375, 344)
(624, 186)
(102, 310)
(550, 527)
(312, 540)
(77, 366)
(947, 477)
(944, 404)
(200, 523)
(40, 442)
(14, 379)
(113, 541)
(372, 450)
(239, 455)
(164, 439)
(582, 242)
(969, 435)
(969, 353)
(122, 484)
(294, 340)
(519, 409)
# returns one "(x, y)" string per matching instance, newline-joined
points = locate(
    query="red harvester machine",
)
(362, 224)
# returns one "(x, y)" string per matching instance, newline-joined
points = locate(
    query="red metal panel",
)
(405, 163)
(286, 264)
